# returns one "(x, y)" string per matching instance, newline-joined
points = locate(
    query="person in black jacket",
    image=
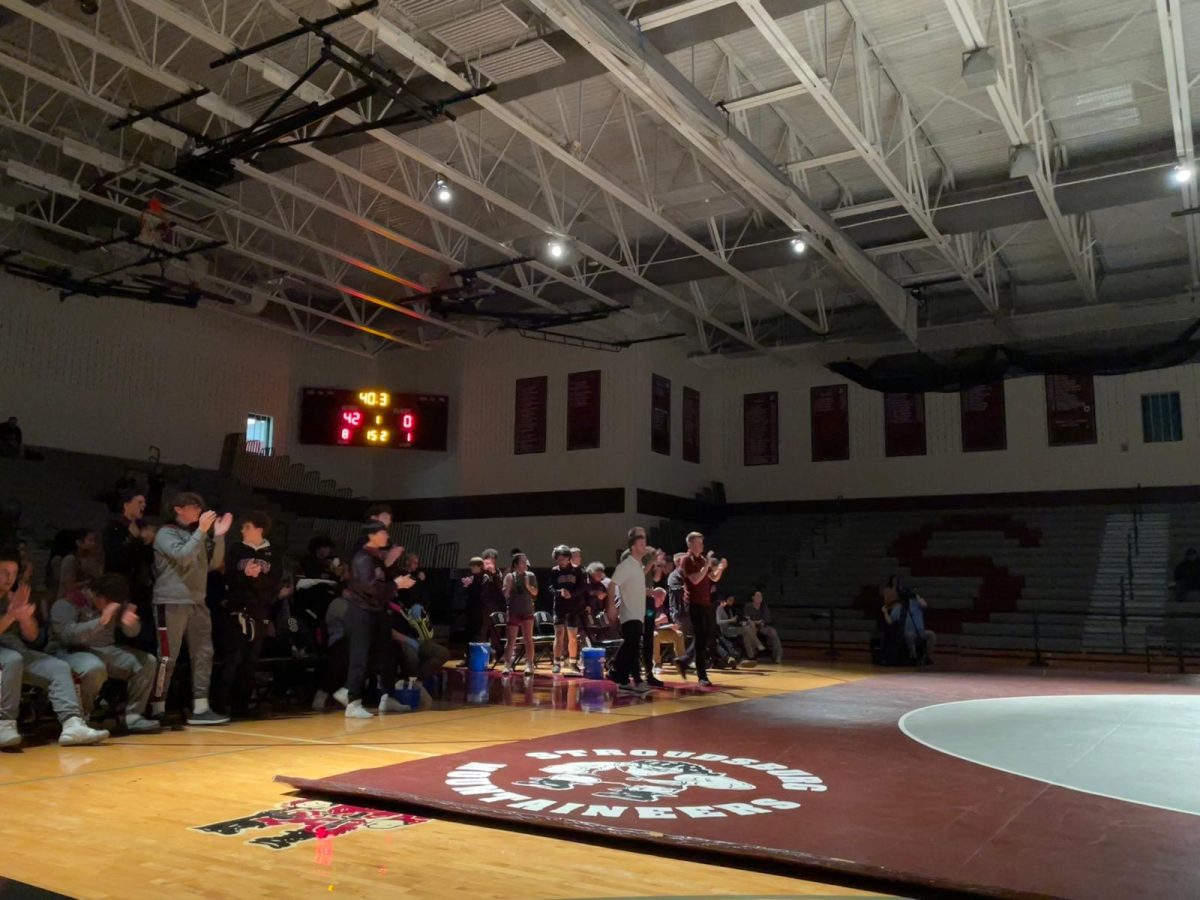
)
(368, 625)
(253, 575)
(129, 552)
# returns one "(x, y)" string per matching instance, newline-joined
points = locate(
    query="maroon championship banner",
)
(904, 424)
(1070, 410)
(583, 410)
(760, 429)
(660, 414)
(691, 425)
(984, 426)
(830, 422)
(529, 421)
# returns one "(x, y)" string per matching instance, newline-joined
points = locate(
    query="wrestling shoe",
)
(555, 669)
(528, 669)
(9, 736)
(208, 717)
(704, 682)
(573, 668)
(342, 696)
(355, 710)
(509, 668)
(76, 733)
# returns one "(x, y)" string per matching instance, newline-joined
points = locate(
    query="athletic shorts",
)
(569, 613)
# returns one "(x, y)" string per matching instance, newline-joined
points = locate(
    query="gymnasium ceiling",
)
(676, 148)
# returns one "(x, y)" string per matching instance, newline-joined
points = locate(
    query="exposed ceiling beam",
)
(222, 109)
(1089, 185)
(1016, 98)
(820, 162)
(646, 74)
(911, 191)
(764, 98)
(1170, 24)
(677, 13)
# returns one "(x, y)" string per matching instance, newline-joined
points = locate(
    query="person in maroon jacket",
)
(368, 625)
(253, 575)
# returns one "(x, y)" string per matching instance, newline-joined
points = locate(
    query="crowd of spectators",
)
(120, 605)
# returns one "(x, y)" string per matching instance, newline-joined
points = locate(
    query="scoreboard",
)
(372, 417)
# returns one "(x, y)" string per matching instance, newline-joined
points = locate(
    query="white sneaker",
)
(320, 698)
(388, 703)
(528, 669)
(342, 696)
(355, 710)
(554, 669)
(76, 733)
(9, 736)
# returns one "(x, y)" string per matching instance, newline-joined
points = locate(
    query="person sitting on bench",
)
(905, 608)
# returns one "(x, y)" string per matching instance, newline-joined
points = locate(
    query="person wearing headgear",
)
(520, 590)
(568, 586)
(368, 626)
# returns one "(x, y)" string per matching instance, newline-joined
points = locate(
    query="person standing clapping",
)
(521, 590)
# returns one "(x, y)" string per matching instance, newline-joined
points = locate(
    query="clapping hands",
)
(19, 606)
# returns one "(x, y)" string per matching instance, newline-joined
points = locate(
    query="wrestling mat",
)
(999, 785)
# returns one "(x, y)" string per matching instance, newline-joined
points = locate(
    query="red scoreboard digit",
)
(373, 418)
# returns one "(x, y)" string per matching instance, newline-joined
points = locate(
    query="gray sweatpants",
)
(135, 667)
(40, 670)
(194, 621)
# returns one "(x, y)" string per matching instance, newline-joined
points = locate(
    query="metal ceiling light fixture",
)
(442, 192)
(799, 245)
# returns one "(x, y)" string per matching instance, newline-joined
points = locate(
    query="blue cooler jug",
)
(593, 662)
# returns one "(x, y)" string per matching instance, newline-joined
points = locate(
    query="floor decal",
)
(310, 820)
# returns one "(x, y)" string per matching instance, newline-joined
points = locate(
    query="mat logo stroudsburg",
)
(647, 783)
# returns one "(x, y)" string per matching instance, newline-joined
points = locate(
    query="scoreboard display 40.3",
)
(373, 417)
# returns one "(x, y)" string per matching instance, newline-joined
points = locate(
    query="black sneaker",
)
(655, 682)
(682, 670)
(208, 717)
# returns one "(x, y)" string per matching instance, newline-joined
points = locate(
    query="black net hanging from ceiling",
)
(919, 372)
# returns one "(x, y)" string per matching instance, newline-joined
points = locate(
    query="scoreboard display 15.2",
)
(341, 417)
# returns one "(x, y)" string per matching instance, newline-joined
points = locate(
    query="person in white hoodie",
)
(629, 581)
(21, 662)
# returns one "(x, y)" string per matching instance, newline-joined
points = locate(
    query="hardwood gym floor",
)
(118, 820)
